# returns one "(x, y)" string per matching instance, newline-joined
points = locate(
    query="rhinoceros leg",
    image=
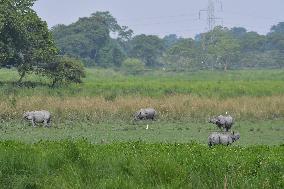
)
(210, 144)
(49, 122)
(33, 122)
(45, 123)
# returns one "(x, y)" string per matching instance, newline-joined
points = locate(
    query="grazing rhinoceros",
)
(146, 113)
(223, 122)
(216, 138)
(38, 117)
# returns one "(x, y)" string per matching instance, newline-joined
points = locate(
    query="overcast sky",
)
(163, 17)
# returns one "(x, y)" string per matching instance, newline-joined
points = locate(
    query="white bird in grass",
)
(147, 127)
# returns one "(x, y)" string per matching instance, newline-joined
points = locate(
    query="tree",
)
(25, 40)
(276, 37)
(147, 48)
(65, 70)
(238, 32)
(110, 55)
(170, 40)
(183, 55)
(279, 28)
(223, 46)
(252, 41)
(89, 39)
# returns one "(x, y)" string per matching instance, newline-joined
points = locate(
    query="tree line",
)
(222, 48)
(27, 44)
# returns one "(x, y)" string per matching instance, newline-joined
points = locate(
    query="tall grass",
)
(137, 165)
(108, 95)
(174, 107)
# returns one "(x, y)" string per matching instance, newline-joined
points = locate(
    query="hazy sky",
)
(162, 17)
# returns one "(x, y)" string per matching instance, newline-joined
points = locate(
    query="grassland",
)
(79, 164)
(252, 133)
(110, 84)
(97, 110)
(106, 149)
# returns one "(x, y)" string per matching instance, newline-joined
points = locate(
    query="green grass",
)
(252, 133)
(80, 164)
(93, 144)
(156, 83)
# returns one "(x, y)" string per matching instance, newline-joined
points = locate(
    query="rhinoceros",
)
(223, 122)
(145, 113)
(41, 116)
(226, 138)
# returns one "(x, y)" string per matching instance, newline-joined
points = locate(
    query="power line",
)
(252, 16)
(166, 22)
(176, 31)
(158, 17)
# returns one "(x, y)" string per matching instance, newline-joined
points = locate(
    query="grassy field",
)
(79, 164)
(97, 110)
(252, 133)
(93, 141)
(110, 84)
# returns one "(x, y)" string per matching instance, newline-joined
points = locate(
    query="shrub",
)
(132, 65)
(65, 70)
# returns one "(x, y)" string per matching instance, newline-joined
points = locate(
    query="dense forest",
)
(92, 40)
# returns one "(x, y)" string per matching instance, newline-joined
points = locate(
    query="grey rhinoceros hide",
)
(223, 122)
(41, 116)
(146, 113)
(226, 138)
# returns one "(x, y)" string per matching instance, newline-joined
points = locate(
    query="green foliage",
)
(252, 41)
(170, 40)
(183, 55)
(80, 164)
(147, 48)
(110, 55)
(89, 39)
(238, 32)
(25, 40)
(276, 37)
(222, 46)
(65, 70)
(132, 65)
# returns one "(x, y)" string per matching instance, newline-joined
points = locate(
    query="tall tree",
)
(238, 32)
(170, 40)
(276, 37)
(89, 38)
(183, 55)
(147, 48)
(25, 40)
(223, 46)
(252, 41)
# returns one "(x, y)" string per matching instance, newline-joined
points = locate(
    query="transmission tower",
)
(210, 10)
(211, 23)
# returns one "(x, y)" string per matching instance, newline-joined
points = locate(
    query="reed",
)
(170, 108)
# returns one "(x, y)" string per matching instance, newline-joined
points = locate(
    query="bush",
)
(65, 70)
(132, 65)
